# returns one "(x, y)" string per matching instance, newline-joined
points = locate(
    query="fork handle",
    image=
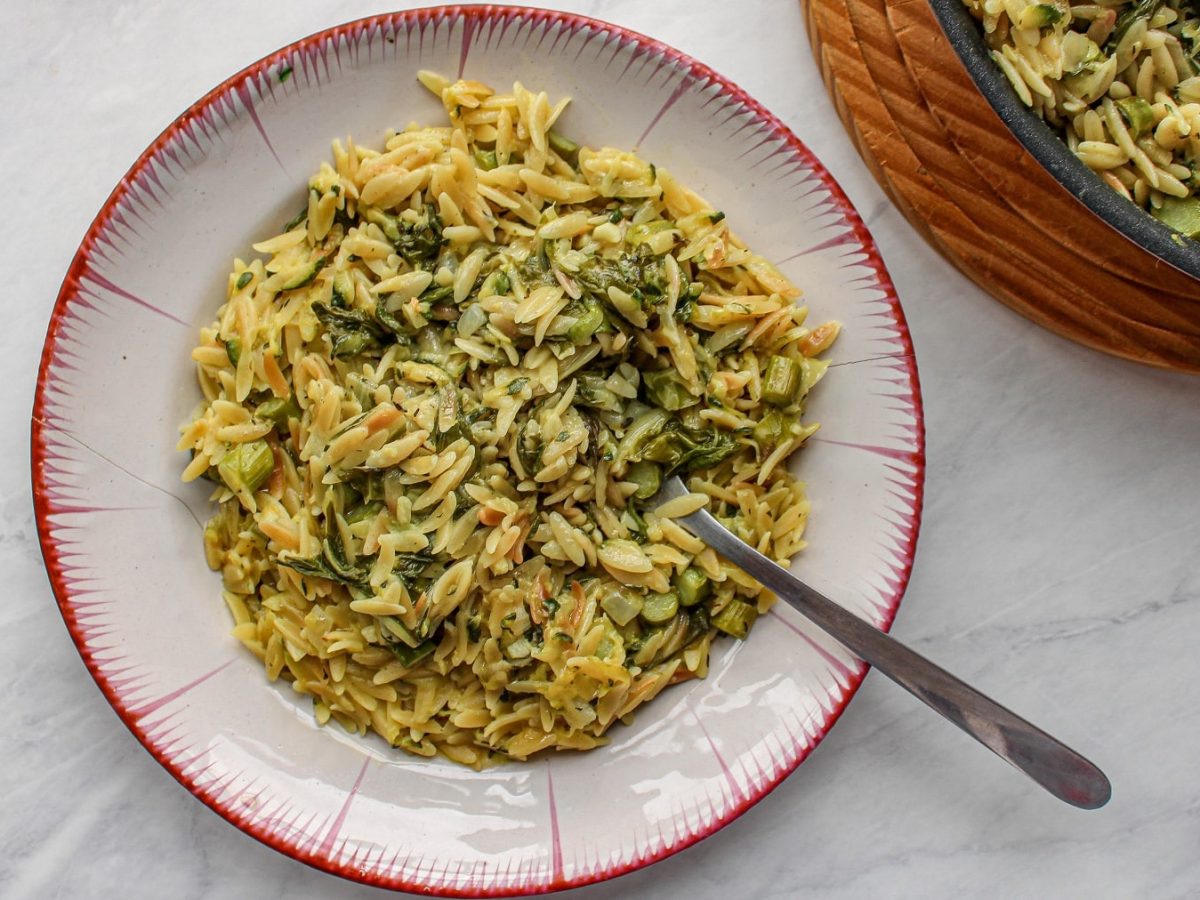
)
(1056, 767)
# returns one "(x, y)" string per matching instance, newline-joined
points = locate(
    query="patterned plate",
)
(121, 534)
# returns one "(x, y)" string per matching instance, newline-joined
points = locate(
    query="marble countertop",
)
(1056, 570)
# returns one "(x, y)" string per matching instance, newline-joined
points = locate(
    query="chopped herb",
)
(420, 241)
(591, 389)
(535, 270)
(350, 331)
(698, 623)
(682, 449)
(448, 401)
(410, 656)
(409, 566)
(516, 386)
(331, 565)
(1145, 9)
(667, 389)
(244, 279)
(534, 636)
(529, 451)
(391, 322)
(436, 293)
(364, 512)
(628, 272)
(716, 217)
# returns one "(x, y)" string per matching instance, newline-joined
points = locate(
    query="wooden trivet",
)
(971, 189)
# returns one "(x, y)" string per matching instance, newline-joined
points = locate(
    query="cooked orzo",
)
(1119, 81)
(437, 409)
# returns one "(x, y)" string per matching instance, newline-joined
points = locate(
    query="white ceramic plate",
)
(121, 535)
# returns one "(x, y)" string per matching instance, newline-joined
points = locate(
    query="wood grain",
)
(971, 189)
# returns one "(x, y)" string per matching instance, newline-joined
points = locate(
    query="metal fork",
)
(1049, 762)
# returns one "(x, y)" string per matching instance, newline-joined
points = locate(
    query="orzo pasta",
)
(438, 406)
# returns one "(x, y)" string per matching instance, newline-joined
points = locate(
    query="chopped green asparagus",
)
(647, 476)
(233, 350)
(658, 609)
(735, 619)
(304, 276)
(278, 411)
(247, 466)
(1182, 214)
(693, 586)
(1137, 115)
(782, 380)
(563, 146)
(1039, 15)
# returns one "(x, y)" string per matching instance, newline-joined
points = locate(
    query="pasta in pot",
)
(438, 406)
(1119, 81)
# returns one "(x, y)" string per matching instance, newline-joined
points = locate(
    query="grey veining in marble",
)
(1059, 564)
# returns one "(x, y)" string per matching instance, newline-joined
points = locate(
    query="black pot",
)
(966, 36)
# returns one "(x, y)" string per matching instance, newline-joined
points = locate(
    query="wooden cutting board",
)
(946, 159)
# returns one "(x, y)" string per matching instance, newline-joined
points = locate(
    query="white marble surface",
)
(1057, 566)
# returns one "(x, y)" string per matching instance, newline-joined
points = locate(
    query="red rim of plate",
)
(471, 16)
